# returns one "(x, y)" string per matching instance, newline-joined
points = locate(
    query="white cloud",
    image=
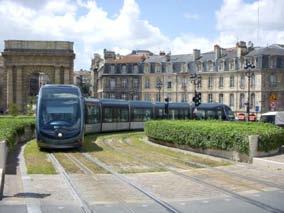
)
(93, 29)
(237, 20)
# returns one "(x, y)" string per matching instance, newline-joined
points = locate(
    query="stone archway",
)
(29, 64)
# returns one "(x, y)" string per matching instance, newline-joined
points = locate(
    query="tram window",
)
(140, 115)
(160, 114)
(93, 114)
(182, 114)
(108, 115)
(122, 115)
(211, 114)
(200, 114)
(229, 113)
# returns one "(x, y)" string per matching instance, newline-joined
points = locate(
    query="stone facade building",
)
(29, 64)
(82, 79)
(223, 77)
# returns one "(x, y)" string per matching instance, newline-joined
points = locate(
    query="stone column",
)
(57, 75)
(66, 76)
(9, 86)
(19, 88)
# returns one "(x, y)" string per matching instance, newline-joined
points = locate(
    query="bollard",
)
(253, 144)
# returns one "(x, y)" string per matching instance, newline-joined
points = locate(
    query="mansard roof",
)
(275, 49)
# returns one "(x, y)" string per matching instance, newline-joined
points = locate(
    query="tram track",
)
(89, 172)
(126, 180)
(214, 169)
(84, 206)
(238, 196)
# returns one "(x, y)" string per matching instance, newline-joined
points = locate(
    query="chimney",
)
(241, 48)
(168, 56)
(217, 51)
(196, 54)
(162, 53)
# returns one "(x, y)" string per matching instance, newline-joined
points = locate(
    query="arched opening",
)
(36, 81)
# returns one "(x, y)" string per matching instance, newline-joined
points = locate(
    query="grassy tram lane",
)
(37, 162)
(132, 147)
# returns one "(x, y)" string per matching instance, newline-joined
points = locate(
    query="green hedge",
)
(216, 134)
(10, 127)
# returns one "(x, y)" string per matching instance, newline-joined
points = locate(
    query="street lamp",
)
(196, 80)
(249, 73)
(159, 87)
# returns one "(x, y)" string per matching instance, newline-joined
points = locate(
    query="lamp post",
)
(159, 87)
(249, 73)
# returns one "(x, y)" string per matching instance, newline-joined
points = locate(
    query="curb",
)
(260, 162)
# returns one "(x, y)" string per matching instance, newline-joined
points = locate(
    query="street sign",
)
(257, 108)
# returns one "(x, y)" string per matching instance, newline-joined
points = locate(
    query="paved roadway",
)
(105, 193)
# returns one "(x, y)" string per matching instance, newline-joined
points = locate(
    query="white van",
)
(276, 118)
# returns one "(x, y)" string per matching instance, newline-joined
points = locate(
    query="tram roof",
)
(210, 105)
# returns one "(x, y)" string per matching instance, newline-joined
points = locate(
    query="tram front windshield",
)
(59, 108)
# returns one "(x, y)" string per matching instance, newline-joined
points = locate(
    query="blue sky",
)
(178, 26)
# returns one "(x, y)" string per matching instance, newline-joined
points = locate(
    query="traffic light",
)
(167, 105)
(197, 99)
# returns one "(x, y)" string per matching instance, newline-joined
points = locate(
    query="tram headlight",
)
(60, 135)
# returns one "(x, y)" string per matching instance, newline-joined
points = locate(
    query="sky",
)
(176, 26)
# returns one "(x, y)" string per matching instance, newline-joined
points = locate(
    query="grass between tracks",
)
(37, 162)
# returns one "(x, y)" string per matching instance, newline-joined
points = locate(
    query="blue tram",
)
(60, 117)
(63, 115)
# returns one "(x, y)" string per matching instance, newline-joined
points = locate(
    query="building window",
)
(123, 96)
(231, 64)
(272, 62)
(169, 85)
(210, 65)
(199, 67)
(183, 83)
(112, 83)
(112, 68)
(112, 95)
(169, 67)
(210, 98)
(242, 100)
(124, 83)
(232, 81)
(199, 84)
(210, 82)
(147, 83)
(158, 68)
(183, 97)
(273, 80)
(135, 83)
(123, 69)
(147, 97)
(221, 98)
(232, 100)
(252, 100)
(252, 81)
(242, 83)
(146, 68)
(221, 65)
(135, 69)
(221, 82)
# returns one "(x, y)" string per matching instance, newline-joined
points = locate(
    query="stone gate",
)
(25, 59)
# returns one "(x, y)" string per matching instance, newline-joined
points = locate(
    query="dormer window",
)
(272, 62)
(158, 68)
(232, 65)
(221, 65)
(198, 66)
(135, 69)
(112, 67)
(169, 67)
(146, 68)
(123, 69)
(210, 65)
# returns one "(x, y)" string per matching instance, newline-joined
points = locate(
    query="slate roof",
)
(270, 50)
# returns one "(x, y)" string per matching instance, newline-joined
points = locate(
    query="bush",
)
(10, 127)
(13, 109)
(216, 134)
